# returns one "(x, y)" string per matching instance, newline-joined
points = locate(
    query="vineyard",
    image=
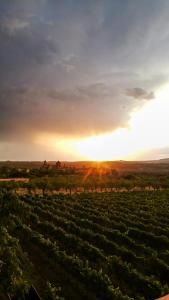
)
(87, 246)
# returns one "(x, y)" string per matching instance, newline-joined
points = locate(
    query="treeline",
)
(6, 172)
(79, 183)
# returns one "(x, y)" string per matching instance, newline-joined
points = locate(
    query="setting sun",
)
(146, 130)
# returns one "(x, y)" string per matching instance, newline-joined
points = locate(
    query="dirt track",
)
(14, 179)
(164, 298)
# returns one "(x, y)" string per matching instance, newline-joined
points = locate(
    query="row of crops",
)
(91, 246)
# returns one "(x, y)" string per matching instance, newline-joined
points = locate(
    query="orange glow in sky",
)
(148, 129)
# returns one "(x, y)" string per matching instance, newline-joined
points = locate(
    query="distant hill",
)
(160, 161)
(164, 160)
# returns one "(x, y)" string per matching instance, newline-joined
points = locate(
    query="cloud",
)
(139, 93)
(25, 46)
(69, 63)
(12, 25)
(83, 110)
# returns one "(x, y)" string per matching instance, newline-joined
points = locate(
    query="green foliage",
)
(12, 277)
(52, 292)
(108, 246)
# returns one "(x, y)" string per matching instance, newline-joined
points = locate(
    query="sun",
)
(109, 146)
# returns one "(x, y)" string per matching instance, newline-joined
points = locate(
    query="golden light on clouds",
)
(64, 146)
(148, 129)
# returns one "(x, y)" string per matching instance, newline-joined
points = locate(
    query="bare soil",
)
(15, 179)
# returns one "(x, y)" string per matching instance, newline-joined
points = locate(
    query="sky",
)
(84, 80)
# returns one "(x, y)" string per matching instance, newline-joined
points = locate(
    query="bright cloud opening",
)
(147, 130)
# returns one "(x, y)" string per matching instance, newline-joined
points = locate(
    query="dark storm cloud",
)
(23, 46)
(139, 93)
(28, 110)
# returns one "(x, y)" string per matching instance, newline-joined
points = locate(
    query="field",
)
(92, 246)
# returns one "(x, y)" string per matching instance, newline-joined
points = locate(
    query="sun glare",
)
(106, 147)
(148, 129)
